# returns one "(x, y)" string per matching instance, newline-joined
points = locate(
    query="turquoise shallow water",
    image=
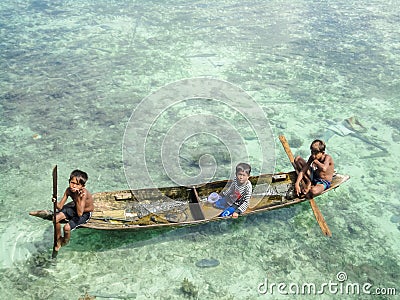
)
(71, 76)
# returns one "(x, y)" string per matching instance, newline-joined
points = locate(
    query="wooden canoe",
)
(184, 206)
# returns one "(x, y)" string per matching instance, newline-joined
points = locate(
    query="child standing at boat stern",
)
(78, 211)
(235, 200)
(316, 174)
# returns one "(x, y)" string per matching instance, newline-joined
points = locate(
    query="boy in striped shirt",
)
(235, 200)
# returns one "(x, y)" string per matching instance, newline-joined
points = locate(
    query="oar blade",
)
(55, 252)
(320, 219)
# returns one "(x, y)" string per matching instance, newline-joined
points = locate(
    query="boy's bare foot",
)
(58, 244)
(63, 242)
(306, 189)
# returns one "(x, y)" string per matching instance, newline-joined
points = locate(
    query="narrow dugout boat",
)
(183, 206)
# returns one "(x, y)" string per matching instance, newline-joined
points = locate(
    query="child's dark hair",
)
(243, 167)
(81, 176)
(321, 145)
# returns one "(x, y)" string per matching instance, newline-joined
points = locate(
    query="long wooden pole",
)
(54, 200)
(317, 213)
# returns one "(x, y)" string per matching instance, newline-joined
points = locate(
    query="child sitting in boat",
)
(78, 211)
(236, 198)
(316, 173)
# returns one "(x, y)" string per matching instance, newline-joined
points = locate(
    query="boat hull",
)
(173, 207)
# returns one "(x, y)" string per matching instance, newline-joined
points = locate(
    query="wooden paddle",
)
(55, 252)
(318, 215)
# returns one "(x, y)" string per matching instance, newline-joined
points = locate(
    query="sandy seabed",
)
(73, 73)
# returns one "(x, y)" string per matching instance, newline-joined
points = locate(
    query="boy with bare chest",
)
(78, 211)
(316, 174)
